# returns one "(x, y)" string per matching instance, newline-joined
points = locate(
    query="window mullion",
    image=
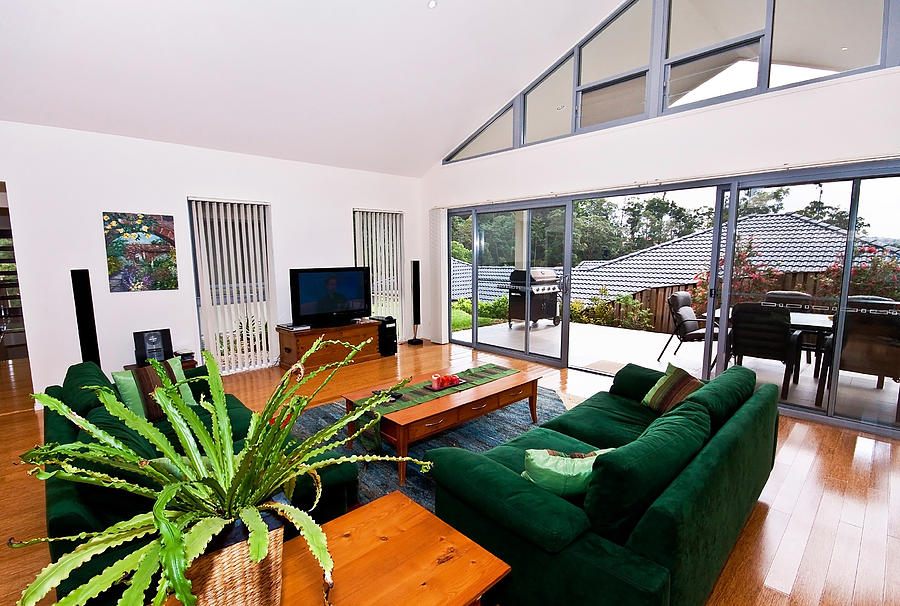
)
(655, 72)
(765, 48)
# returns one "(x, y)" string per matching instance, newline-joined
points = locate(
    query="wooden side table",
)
(392, 551)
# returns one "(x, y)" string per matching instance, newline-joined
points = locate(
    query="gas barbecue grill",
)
(544, 294)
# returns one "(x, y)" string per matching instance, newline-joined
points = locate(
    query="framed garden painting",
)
(140, 251)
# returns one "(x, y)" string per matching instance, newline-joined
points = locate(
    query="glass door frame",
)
(565, 203)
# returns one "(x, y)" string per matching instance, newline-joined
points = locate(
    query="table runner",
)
(411, 395)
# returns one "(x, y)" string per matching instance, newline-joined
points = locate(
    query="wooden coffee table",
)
(392, 551)
(403, 427)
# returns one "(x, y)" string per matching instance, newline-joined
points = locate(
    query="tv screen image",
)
(325, 295)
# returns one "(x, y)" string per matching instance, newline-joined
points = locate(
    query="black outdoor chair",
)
(688, 327)
(795, 300)
(764, 331)
(871, 344)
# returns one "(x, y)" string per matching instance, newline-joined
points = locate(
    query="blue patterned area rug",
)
(380, 478)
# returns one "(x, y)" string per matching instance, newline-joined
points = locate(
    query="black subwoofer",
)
(387, 335)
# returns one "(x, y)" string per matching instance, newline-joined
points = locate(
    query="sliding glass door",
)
(866, 379)
(508, 273)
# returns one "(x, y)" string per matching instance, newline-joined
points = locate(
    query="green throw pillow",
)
(567, 475)
(128, 389)
(178, 371)
(671, 390)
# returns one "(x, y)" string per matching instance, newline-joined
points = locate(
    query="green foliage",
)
(460, 252)
(195, 494)
(875, 272)
(623, 311)
(497, 309)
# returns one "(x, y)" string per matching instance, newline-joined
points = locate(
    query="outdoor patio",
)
(607, 349)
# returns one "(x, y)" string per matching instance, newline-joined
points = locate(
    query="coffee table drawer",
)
(476, 409)
(514, 394)
(433, 424)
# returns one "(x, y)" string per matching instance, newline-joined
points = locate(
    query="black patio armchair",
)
(764, 331)
(688, 327)
(871, 344)
(795, 300)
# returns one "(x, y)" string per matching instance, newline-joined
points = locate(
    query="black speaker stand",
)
(415, 340)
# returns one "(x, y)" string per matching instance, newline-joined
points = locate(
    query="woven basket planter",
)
(227, 577)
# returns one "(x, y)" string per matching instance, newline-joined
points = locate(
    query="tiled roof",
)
(787, 242)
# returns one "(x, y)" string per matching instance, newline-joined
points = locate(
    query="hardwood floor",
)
(826, 529)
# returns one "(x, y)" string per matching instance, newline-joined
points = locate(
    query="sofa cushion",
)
(604, 420)
(79, 376)
(671, 389)
(565, 474)
(724, 395)
(633, 381)
(627, 480)
(512, 454)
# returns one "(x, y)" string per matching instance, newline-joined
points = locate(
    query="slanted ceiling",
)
(382, 85)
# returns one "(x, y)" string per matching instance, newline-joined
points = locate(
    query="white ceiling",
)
(382, 85)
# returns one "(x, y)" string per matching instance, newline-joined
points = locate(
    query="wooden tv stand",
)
(294, 343)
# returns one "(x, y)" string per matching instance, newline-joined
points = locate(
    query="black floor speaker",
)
(84, 316)
(416, 304)
(387, 335)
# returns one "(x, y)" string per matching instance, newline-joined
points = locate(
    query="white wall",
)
(844, 120)
(847, 119)
(60, 181)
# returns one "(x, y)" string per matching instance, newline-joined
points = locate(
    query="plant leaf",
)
(56, 572)
(146, 429)
(258, 537)
(89, 428)
(183, 432)
(143, 576)
(103, 581)
(312, 533)
(86, 476)
(221, 421)
(173, 549)
(199, 536)
(143, 520)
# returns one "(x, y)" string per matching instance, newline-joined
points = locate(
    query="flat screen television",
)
(330, 296)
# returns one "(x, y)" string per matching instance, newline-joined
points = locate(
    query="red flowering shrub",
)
(751, 278)
(875, 272)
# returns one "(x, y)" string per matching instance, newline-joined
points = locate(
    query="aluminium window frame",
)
(658, 69)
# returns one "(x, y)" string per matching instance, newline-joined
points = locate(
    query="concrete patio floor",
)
(607, 349)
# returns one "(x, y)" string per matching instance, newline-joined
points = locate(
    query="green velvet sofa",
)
(661, 513)
(74, 508)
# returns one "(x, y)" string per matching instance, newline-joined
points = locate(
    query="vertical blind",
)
(378, 242)
(233, 251)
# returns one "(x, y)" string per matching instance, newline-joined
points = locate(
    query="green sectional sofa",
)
(74, 508)
(660, 515)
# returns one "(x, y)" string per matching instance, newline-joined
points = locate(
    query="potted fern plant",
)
(201, 490)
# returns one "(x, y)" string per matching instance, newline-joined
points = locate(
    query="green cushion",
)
(633, 381)
(185, 390)
(671, 389)
(512, 454)
(724, 395)
(129, 391)
(564, 474)
(79, 376)
(604, 421)
(627, 480)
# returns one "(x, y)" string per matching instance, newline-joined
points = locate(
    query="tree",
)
(833, 215)
(762, 201)
(458, 251)
(749, 277)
